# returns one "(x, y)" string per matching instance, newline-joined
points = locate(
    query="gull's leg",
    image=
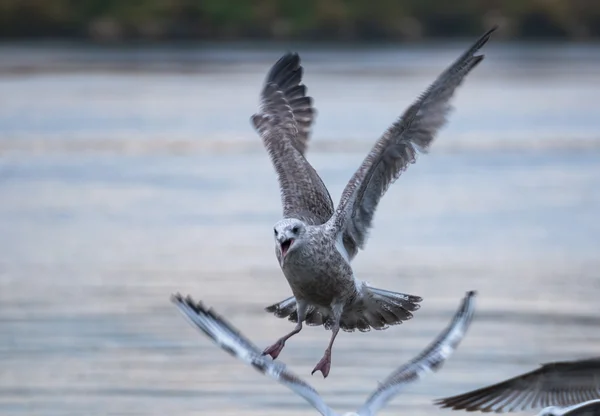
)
(275, 349)
(325, 364)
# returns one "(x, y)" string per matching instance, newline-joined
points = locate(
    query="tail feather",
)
(376, 319)
(284, 308)
(408, 302)
(315, 316)
(376, 308)
(379, 309)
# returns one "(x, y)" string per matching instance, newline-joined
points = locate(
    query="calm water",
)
(128, 175)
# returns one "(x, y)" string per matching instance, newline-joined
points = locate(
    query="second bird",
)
(316, 243)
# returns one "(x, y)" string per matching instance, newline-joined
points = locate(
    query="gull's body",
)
(558, 384)
(315, 243)
(232, 341)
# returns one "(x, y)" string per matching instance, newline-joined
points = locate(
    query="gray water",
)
(127, 175)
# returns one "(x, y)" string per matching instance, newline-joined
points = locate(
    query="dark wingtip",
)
(289, 62)
(480, 42)
(441, 403)
(197, 307)
(176, 298)
(271, 309)
(494, 28)
(445, 404)
(289, 54)
(471, 293)
(486, 36)
(288, 57)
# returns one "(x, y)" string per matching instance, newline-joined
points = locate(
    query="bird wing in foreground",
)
(283, 122)
(589, 408)
(231, 340)
(397, 149)
(562, 383)
(429, 360)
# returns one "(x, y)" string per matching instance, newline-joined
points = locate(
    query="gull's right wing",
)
(283, 121)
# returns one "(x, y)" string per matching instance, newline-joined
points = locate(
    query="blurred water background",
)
(131, 172)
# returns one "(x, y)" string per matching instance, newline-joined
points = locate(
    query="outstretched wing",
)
(397, 149)
(232, 341)
(284, 120)
(431, 358)
(563, 383)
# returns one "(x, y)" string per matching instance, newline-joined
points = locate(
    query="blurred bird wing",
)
(562, 383)
(235, 343)
(429, 360)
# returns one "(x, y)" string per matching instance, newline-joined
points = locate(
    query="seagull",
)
(314, 243)
(560, 383)
(235, 343)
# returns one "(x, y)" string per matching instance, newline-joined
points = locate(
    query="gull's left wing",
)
(397, 149)
(232, 341)
(430, 359)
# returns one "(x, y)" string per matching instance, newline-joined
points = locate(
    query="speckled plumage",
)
(316, 243)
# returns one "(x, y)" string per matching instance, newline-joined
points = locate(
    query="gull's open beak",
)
(284, 247)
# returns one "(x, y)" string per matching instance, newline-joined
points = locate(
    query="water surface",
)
(126, 176)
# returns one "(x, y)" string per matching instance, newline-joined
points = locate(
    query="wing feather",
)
(235, 343)
(586, 408)
(429, 360)
(397, 149)
(561, 383)
(283, 122)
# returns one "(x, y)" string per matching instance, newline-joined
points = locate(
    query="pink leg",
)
(325, 364)
(275, 349)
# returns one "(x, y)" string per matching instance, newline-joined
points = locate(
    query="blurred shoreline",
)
(344, 21)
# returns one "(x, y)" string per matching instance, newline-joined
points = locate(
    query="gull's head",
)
(288, 235)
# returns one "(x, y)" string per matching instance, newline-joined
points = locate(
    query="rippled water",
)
(128, 175)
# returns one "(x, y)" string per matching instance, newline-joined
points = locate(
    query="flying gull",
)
(561, 383)
(235, 343)
(316, 243)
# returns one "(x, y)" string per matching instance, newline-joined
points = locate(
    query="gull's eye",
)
(295, 229)
(275, 231)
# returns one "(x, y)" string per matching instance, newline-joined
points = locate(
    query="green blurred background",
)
(310, 20)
